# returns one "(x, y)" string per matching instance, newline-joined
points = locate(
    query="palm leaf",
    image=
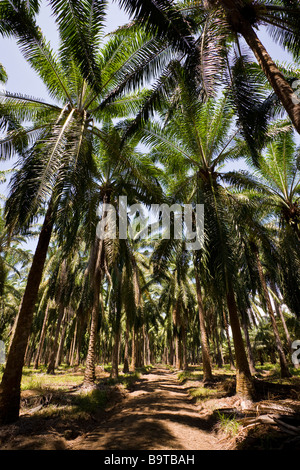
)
(80, 25)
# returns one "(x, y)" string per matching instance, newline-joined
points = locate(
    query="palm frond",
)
(81, 26)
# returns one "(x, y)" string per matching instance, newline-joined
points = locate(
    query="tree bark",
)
(59, 356)
(115, 355)
(53, 354)
(11, 380)
(133, 349)
(126, 350)
(248, 346)
(116, 346)
(276, 79)
(207, 369)
(231, 359)
(42, 337)
(90, 374)
(278, 311)
(282, 88)
(184, 348)
(284, 369)
(178, 351)
(244, 381)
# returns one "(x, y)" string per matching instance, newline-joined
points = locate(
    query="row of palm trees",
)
(83, 149)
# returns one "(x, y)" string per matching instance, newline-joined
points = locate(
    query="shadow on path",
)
(157, 415)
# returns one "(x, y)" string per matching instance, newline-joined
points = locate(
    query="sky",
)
(22, 79)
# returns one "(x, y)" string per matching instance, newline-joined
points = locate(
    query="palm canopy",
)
(193, 142)
(216, 54)
(57, 137)
(193, 138)
(276, 180)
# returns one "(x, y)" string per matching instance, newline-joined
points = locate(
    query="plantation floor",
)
(158, 410)
(157, 415)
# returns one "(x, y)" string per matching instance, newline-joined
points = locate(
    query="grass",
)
(228, 424)
(189, 375)
(90, 402)
(67, 400)
(128, 379)
(39, 380)
(202, 393)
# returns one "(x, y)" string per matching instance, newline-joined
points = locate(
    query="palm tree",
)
(276, 184)
(177, 296)
(193, 144)
(57, 144)
(205, 31)
(122, 171)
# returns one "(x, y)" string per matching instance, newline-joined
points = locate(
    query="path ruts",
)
(157, 415)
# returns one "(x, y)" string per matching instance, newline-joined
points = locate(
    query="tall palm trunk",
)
(184, 348)
(244, 381)
(11, 381)
(248, 344)
(90, 374)
(133, 349)
(279, 312)
(54, 348)
(207, 369)
(59, 355)
(231, 359)
(126, 349)
(276, 79)
(115, 354)
(137, 301)
(284, 369)
(177, 335)
(117, 333)
(42, 337)
(178, 351)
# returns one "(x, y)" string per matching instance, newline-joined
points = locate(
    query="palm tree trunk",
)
(11, 380)
(207, 369)
(42, 337)
(116, 346)
(115, 355)
(90, 374)
(248, 346)
(244, 381)
(59, 356)
(184, 348)
(178, 351)
(284, 369)
(279, 84)
(133, 349)
(231, 359)
(126, 351)
(53, 354)
(278, 311)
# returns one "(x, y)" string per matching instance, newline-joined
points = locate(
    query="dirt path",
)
(157, 415)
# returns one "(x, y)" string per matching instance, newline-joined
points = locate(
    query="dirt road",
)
(157, 415)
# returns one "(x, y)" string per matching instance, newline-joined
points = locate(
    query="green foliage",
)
(228, 424)
(90, 402)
